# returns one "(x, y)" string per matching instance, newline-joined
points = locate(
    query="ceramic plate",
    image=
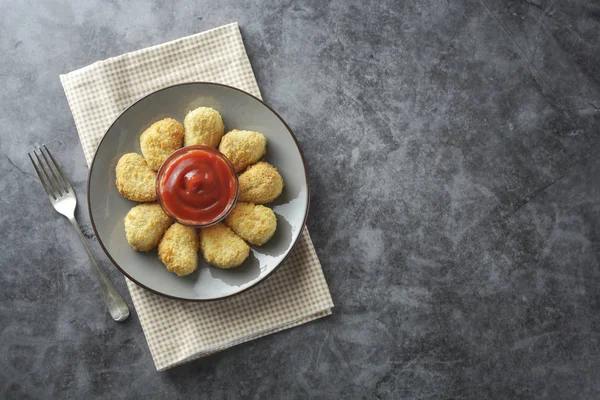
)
(240, 110)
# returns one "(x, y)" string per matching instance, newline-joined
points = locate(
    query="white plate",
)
(240, 110)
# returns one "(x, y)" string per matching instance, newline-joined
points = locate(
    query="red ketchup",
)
(197, 186)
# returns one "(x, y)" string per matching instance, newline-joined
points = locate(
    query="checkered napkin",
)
(177, 331)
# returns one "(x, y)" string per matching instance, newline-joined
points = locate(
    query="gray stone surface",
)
(452, 149)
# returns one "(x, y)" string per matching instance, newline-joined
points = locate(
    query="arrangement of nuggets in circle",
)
(225, 244)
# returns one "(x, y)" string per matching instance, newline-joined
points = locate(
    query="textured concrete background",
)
(452, 148)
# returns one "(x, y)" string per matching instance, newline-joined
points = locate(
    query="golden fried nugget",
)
(135, 180)
(203, 126)
(178, 249)
(160, 140)
(221, 247)
(145, 225)
(243, 148)
(255, 224)
(260, 183)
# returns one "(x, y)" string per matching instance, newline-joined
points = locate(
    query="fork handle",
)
(116, 305)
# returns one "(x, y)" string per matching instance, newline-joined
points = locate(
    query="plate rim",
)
(255, 284)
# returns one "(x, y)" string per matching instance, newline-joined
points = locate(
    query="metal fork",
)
(63, 200)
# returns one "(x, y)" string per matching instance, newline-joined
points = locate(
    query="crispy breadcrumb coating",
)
(178, 249)
(261, 183)
(255, 224)
(145, 225)
(160, 140)
(221, 247)
(243, 148)
(203, 126)
(135, 180)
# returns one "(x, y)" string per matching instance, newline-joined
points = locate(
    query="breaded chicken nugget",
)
(254, 223)
(178, 249)
(243, 148)
(135, 180)
(203, 126)
(160, 140)
(221, 247)
(145, 225)
(261, 183)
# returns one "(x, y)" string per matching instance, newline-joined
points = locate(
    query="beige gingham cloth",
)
(178, 332)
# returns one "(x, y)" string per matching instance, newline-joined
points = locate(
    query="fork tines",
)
(51, 175)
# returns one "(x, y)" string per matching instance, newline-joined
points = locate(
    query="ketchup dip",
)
(197, 186)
